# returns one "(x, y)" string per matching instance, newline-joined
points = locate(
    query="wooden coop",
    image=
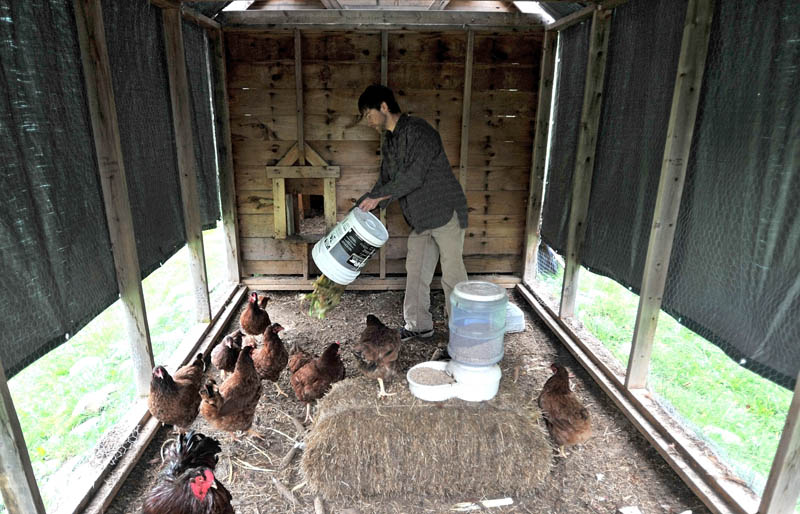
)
(292, 158)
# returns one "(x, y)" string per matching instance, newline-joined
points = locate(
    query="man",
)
(415, 172)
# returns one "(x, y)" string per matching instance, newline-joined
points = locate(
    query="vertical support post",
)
(384, 82)
(279, 207)
(685, 98)
(227, 193)
(536, 193)
(584, 158)
(329, 202)
(465, 111)
(111, 167)
(783, 484)
(18, 483)
(298, 85)
(187, 166)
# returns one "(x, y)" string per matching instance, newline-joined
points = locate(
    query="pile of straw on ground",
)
(362, 447)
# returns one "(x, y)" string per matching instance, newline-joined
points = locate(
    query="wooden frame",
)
(187, 166)
(365, 283)
(685, 99)
(584, 158)
(536, 193)
(384, 82)
(465, 111)
(783, 484)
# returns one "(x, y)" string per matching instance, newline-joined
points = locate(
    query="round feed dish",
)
(431, 393)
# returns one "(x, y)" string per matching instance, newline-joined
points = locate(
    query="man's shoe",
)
(405, 335)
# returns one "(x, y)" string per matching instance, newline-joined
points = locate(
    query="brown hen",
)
(225, 354)
(312, 377)
(255, 320)
(377, 352)
(173, 399)
(567, 419)
(271, 357)
(232, 406)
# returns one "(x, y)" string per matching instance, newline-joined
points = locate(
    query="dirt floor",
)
(616, 468)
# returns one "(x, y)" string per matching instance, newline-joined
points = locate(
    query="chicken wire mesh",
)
(733, 278)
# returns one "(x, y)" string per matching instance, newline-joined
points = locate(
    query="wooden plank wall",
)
(426, 71)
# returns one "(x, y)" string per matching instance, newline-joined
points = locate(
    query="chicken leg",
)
(279, 390)
(308, 413)
(382, 391)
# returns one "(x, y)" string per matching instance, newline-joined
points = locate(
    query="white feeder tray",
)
(473, 383)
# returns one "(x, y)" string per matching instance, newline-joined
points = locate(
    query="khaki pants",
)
(444, 244)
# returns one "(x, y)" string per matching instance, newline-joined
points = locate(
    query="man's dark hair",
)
(372, 97)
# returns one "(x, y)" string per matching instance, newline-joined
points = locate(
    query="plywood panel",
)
(332, 101)
(272, 267)
(396, 247)
(268, 249)
(474, 263)
(348, 153)
(341, 75)
(498, 153)
(498, 179)
(497, 202)
(355, 177)
(250, 178)
(261, 102)
(429, 75)
(258, 153)
(508, 48)
(501, 128)
(433, 47)
(338, 127)
(254, 202)
(496, 225)
(253, 74)
(442, 102)
(317, 127)
(256, 225)
(341, 46)
(489, 77)
(498, 103)
(248, 46)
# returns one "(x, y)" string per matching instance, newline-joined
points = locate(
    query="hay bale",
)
(401, 446)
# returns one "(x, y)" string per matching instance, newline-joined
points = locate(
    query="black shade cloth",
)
(135, 38)
(57, 268)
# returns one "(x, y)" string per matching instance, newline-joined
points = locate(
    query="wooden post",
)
(17, 481)
(187, 167)
(783, 484)
(685, 97)
(384, 82)
(298, 84)
(465, 112)
(584, 158)
(536, 193)
(103, 112)
(227, 193)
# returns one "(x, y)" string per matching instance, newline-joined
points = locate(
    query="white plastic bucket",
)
(344, 250)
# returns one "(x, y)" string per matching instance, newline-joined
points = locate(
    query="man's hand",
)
(367, 204)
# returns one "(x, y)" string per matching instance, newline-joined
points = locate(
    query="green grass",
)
(97, 358)
(740, 414)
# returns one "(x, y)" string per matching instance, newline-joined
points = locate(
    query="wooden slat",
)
(475, 264)
(266, 249)
(227, 191)
(783, 484)
(365, 283)
(465, 112)
(488, 77)
(298, 77)
(329, 199)
(502, 103)
(326, 19)
(279, 208)
(442, 102)
(584, 159)
(536, 195)
(685, 99)
(384, 82)
(111, 167)
(431, 75)
(507, 48)
(255, 202)
(257, 225)
(583, 14)
(18, 486)
(431, 47)
(187, 166)
(266, 46)
(302, 171)
(314, 157)
(271, 267)
(501, 178)
(341, 47)
(502, 128)
(494, 153)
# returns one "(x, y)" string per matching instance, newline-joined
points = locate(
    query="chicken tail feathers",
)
(193, 450)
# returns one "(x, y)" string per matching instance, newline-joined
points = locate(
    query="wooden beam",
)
(536, 193)
(303, 171)
(685, 98)
(705, 476)
(111, 167)
(377, 19)
(438, 5)
(227, 192)
(18, 483)
(364, 283)
(188, 13)
(466, 104)
(331, 4)
(783, 484)
(384, 82)
(298, 85)
(187, 166)
(584, 157)
(329, 202)
(583, 14)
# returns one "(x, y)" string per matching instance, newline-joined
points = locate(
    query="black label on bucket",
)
(357, 250)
